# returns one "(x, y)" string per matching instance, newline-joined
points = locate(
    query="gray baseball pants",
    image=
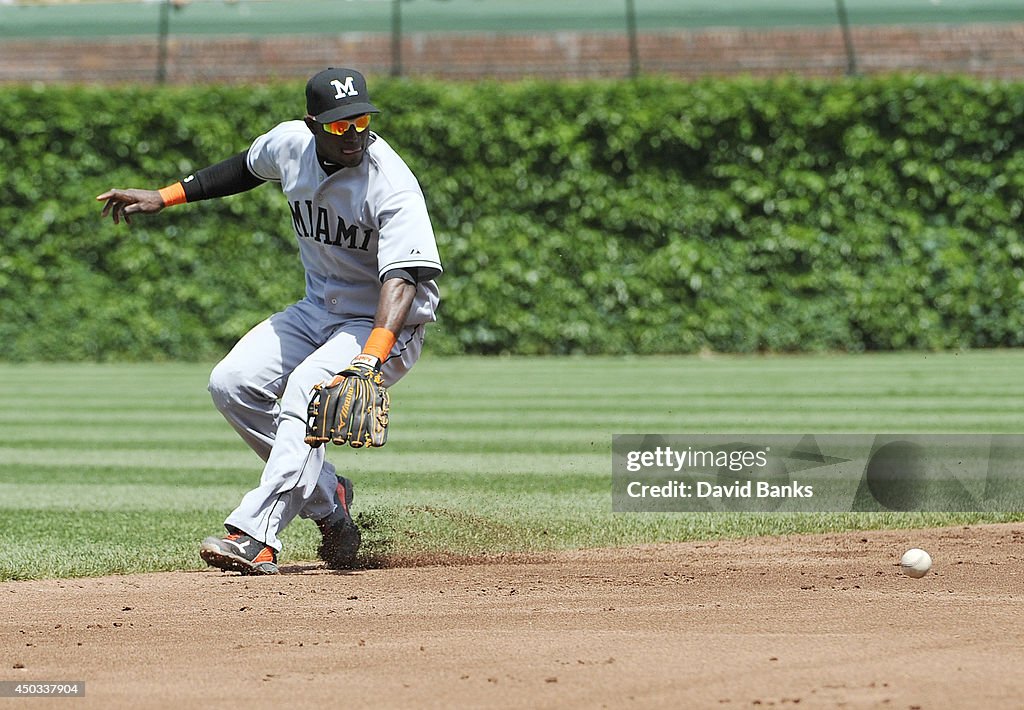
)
(262, 387)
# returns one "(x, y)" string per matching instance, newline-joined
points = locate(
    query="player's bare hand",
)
(121, 204)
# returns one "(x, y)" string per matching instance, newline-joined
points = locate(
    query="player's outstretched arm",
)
(228, 177)
(121, 204)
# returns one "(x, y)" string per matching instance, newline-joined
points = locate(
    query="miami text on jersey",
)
(320, 229)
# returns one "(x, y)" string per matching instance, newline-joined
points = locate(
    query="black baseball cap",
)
(335, 93)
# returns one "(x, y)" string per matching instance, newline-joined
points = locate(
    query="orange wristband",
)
(379, 343)
(173, 195)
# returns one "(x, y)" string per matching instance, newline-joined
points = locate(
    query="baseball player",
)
(370, 260)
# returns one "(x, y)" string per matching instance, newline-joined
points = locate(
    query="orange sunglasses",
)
(338, 128)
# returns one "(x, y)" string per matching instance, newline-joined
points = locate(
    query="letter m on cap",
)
(346, 89)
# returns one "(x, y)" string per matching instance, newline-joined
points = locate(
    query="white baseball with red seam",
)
(915, 563)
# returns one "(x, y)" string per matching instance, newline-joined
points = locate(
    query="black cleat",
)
(341, 537)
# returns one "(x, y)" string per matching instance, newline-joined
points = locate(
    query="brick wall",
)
(995, 51)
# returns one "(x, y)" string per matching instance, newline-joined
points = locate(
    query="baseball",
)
(915, 563)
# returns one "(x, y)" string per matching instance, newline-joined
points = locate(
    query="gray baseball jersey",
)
(353, 226)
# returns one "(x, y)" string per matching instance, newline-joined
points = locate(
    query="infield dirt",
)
(813, 621)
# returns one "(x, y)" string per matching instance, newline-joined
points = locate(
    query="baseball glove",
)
(350, 409)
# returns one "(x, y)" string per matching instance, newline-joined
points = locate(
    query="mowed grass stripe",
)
(471, 493)
(118, 496)
(123, 414)
(171, 458)
(98, 436)
(102, 476)
(411, 439)
(588, 375)
(570, 412)
(368, 461)
(241, 481)
(502, 430)
(996, 395)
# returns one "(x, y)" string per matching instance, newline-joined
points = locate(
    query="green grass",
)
(124, 468)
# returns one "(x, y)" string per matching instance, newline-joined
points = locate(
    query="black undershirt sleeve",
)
(410, 274)
(228, 177)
